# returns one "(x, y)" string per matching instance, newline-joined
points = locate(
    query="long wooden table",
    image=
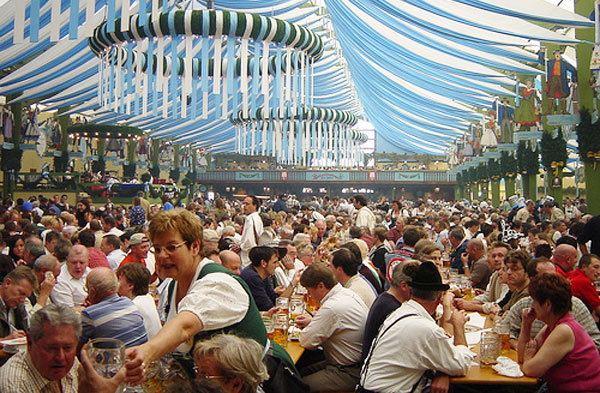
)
(294, 350)
(475, 376)
(487, 376)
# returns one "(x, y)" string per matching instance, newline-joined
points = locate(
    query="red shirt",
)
(97, 258)
(582, 287)
(561, 271)
(129, 259)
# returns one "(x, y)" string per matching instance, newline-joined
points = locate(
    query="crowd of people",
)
(197, 280)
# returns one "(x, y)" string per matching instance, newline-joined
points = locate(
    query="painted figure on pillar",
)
(506, 116)
(31, 129)
(7, 121)
(526, 115)
(557, 82)
(467, 148)
(489, 139)
(56, 133)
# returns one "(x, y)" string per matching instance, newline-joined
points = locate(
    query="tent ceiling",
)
(420, 70)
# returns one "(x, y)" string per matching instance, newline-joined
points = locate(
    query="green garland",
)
(174, 174)
(482, 173)
(11, 159)
(508, 165)
(588, 140)
(554, 151)
(472, 173)
(459, 179)
(494, 170)
(528, 160)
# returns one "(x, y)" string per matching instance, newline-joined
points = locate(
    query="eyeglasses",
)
(202, 376)
(170, 249)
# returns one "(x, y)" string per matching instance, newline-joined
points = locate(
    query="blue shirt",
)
(114, 317)
(261, 290)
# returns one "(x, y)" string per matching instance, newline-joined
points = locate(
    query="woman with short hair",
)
(562, 352)
(235, 362)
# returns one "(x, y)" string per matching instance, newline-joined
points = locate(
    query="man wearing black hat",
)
(426, 347)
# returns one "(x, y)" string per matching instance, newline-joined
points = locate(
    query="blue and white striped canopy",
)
(421, 71)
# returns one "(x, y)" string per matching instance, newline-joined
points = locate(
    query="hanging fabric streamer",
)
(155, 13)
(160, 72)
(288, 73)
(130, 89)
(244, 60)
(111, 85)
(138, 77)
(255, 65)
(218, 37)
(125, 14)
(54, 20)
(101, 81)
(90, 10)
(174, 64)
(204, 64)
(145, 79)
(143, 20)
(151, 76)
(230, 77)
(34, 21)
(187, 65)
(119, 81)
(110, 16)
(74, 19)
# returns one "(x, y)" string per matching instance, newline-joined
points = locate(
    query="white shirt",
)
(114, 258)
(147, 307)
(359, 286)
(365, 218)
(68, 290)
(253, 228)
(424, 346)
(338, 326)
(218, 300)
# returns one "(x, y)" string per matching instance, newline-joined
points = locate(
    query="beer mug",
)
(489, 349)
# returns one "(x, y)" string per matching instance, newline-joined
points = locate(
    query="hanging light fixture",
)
(320, 136)
(236, 61)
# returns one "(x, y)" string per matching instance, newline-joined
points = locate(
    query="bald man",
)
(70, 287)
(43, 265)
(564, 258)
(475, 264)
(110, 315)
(231, 261)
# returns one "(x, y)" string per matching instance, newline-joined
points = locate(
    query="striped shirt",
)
(19, 375)
(114, 317)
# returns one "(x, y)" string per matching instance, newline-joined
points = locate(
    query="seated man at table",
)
(475, 264)
(16, 287)
(344, 265)
(582, 282)
(70, 284)
(337, 327)
(389, 301)
(496, 289)
(411, 347)
(49, 364)
(110, 315)
(578, 310)
(264, 260)
(515, 272)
